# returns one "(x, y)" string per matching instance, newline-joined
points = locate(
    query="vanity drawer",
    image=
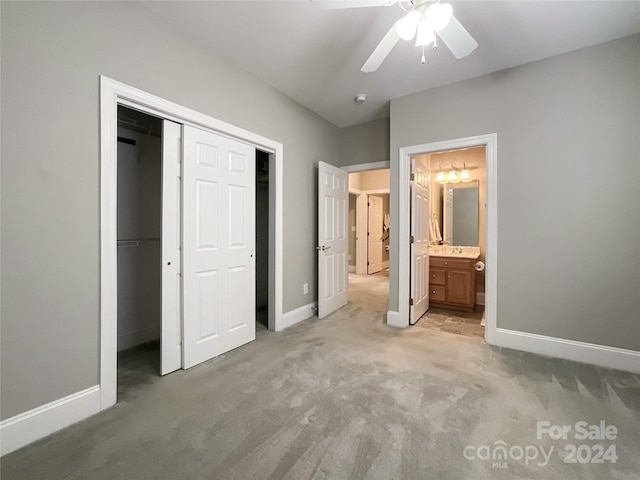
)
(436, 293)
(447, 262)
(436, 277)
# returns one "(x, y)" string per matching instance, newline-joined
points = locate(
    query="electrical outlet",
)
(305, 288)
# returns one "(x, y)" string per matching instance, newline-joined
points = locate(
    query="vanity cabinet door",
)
(436, 277)
(458, 287)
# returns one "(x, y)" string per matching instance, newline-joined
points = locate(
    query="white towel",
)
(435, 229)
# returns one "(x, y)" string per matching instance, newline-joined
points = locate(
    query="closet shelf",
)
(137, 242)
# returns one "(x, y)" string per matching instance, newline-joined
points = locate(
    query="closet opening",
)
(139, 232)
(262, 241)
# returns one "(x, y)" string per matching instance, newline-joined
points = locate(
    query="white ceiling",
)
(314, 55)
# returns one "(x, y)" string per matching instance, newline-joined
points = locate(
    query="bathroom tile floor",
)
(452, 321)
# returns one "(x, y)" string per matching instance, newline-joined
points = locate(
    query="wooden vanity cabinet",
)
(452, 282)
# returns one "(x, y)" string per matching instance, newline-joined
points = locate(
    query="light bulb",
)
(452, 177)
(406, 26)
(440, 177)
(438, 16)
(464, 176)
(425, 35)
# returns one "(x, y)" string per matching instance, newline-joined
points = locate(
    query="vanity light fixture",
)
(455, 174)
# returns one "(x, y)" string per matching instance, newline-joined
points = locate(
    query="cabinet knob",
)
(434, 292)
(446, 263)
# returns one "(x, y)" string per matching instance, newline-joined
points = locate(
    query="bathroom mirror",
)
(458, 208)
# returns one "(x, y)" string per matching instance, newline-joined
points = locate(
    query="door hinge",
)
(412, 239)
(412, 177)
(411, 302)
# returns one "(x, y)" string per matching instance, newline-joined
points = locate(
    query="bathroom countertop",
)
(472, 256)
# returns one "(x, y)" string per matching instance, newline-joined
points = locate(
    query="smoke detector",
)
(360, 98)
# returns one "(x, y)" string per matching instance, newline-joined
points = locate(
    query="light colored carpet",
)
(346, 397)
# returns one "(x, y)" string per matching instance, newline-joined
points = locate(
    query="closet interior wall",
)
(139, 228)
(262, 235)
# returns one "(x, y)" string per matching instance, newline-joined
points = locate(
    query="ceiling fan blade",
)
(339, 4)
(381, 51)
(459, 41)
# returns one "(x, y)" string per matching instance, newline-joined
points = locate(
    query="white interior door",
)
(218, 245)
(374, 235)
(420, 244)
(171, 302)
(333, 244)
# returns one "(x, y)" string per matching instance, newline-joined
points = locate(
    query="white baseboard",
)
(352, 269)
(27, 427)
(610, 357)
(393, 320)
(131, 339)
(296, 316)
(480, 298)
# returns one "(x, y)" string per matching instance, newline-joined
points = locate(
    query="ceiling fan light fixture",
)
(406, 26)
(425, 35)
(438, 16)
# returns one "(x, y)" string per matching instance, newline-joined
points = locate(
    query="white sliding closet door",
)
(218, 245)
(171, 308)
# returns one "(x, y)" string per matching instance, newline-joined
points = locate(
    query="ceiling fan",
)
(424, 19)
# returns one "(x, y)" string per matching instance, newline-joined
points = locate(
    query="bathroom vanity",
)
(452, 281)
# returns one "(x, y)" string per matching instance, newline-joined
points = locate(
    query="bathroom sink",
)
(454, 255)
(454, 252)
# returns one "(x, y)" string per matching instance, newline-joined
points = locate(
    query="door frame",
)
(112, 94)
(400, 318)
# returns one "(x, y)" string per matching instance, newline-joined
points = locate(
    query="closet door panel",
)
(219, 245)
(171, 308)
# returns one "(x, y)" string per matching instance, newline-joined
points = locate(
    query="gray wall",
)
(52, 54)
(365, 143)
(568, 251)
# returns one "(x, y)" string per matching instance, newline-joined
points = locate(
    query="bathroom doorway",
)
(400, 316)
(454, 225)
